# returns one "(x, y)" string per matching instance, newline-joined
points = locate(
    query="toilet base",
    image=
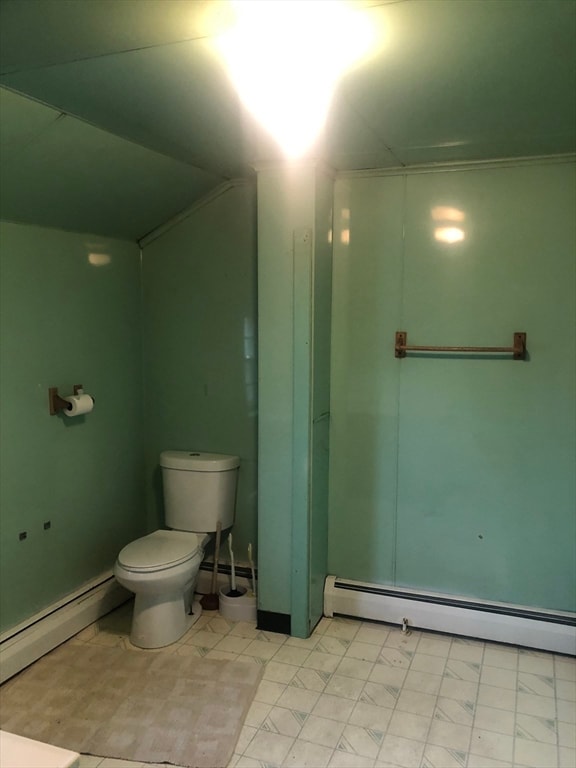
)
(158, 622)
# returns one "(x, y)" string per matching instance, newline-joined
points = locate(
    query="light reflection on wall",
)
(99, 259)
(345, 226)
(445, 217)
(250, 365)
(449, 234)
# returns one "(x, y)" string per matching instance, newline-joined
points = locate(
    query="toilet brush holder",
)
(239, 608)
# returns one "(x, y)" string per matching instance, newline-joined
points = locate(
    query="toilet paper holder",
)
(59, 404)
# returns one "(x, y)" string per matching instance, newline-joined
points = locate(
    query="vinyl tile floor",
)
(362, 695)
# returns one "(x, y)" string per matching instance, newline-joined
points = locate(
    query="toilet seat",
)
(159, 550)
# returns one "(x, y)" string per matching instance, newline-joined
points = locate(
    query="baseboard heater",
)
(25, 643)
(500, 622)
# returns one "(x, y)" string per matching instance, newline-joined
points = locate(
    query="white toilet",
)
(161, 568)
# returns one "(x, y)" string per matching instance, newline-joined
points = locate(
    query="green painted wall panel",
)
(366, 304)
(66, 321)
(199, 337)
(480, 451)
(294, 273)
(320, 427)
(285, 204)
(486, 452)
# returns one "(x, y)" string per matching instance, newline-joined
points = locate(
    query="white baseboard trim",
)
(27, 642)
(500, 622)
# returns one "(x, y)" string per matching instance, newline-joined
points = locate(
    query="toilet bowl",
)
(161, 570)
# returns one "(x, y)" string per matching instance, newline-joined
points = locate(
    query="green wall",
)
(455, 474)
(65, 321)
(199, 340)
(294, 303)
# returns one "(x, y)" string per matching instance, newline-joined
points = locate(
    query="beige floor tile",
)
(307, 755)
(492, 719)
(499, 676)
(536, 663)
(310, 679)
(287, 722)
(307, 644)
(371, 716)
(501, 658)
(534, 754)
(565, 689)
(386, 675)
(336, 646)
(424, 662)
(466, 650)
(289, 654)
(359, 670)
(269, 692)
(566, 711)
(416, 702)
(565, 668)
(322, 731)
(356, 740)
(373, 634)
(334, 707)
(496, 746)
(539, 706)
(326, 662)
(500, 698)
(269, 747)
(435, 645)
(423, 681)
(463, 690)
(347, 687)
(479, 761)
(280, 672)
(409, 725)
(346, 760)
(454, 711)
(396, 750)
(296, 698)
(345, 629)
(261, 649)
(567, 735)
(536, 729)
(450, 735)
(363, 651)
(440, 757)
(567, 757)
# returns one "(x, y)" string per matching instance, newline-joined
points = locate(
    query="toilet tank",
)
(199, 490)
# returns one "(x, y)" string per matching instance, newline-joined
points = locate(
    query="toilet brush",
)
(233, 592)
(211, 601)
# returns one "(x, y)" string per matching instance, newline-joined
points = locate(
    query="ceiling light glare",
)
(285, 58)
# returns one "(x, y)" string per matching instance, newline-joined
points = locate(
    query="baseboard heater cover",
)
(26, 643)
(499, 622)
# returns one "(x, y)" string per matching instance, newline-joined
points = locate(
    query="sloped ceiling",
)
(116, 115)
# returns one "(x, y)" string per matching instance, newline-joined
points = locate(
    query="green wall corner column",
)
(294, 288)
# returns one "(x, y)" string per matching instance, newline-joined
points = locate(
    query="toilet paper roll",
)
(78, 405)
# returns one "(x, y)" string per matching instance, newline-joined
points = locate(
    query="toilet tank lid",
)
(195, 461)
